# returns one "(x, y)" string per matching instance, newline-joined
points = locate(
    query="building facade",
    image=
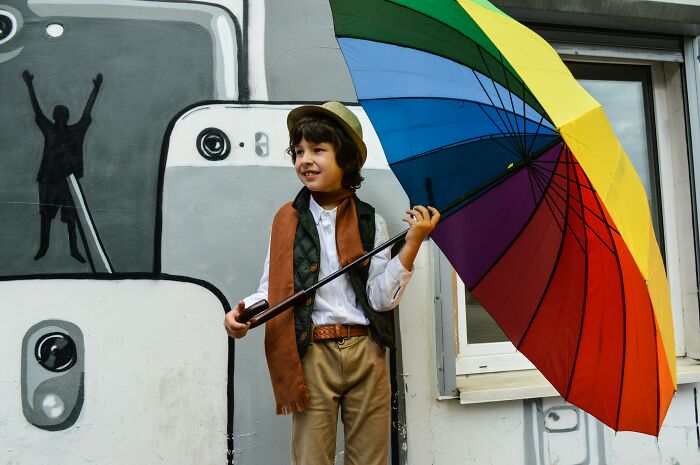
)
(121, 358)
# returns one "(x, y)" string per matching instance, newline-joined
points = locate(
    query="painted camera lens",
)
(56, 352)
(7, 25)
(213, 144)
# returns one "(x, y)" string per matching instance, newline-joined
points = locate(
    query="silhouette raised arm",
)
(97, 82)
(28, 79)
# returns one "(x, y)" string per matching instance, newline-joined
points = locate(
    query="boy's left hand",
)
(421, 222)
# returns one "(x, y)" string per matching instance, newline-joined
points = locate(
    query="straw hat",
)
(338, 113)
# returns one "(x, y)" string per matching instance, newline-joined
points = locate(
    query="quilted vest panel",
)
(306, 272)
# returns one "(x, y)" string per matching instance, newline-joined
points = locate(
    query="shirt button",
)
(308, 301)
(303, 336)
(314, 267)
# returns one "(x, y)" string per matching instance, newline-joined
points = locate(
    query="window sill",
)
(528, 384)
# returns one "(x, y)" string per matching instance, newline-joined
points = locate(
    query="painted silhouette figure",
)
(63, 156)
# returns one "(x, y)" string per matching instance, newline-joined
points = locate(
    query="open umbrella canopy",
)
(544, 217)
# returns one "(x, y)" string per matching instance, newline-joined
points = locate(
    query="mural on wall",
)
(555, 432)
(53, 370)
(89, 91)
(62, 157)
(152, 69)
(112, 371)
(167, 183)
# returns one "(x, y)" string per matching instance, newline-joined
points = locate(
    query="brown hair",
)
(318, 128)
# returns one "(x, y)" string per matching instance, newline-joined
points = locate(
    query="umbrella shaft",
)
(372, 253)
(261, 312)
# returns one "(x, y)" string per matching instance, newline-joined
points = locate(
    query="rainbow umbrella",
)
(544, 217)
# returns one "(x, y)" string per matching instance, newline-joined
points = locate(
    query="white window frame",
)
(496, 371)
(483, 357)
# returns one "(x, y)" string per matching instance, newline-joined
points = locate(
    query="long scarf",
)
(283, 361)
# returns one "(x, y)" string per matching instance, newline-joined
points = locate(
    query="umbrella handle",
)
(250, 312)
(260, 312)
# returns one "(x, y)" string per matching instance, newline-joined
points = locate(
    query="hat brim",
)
(305, 110)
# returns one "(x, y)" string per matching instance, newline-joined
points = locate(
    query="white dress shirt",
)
(336, 301)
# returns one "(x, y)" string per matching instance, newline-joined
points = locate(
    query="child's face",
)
(316, 166)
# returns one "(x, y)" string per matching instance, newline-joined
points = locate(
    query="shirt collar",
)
(316, 210)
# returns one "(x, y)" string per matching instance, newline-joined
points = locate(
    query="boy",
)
(329, 352)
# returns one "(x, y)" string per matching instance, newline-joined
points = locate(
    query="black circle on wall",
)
(213, 144)
(7, 25)
(56, 352)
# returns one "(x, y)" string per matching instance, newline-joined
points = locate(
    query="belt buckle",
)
(338, 327)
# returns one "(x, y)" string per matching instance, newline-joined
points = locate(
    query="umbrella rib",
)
(577, 201)
(585, 292)
(524, 145)
(497, 178)
(549, 281)
(600, 218)
(584, 207)
(532, 185)
(573, 234)
(480, 49)
(624, 316)
(515, 148)
(510, 95)
(603, 220)
(490, 76)
(581, 185)
(493, 105)
(543, 185)
(543, 169)
(543, 113)
(537, 131)
(534, 210)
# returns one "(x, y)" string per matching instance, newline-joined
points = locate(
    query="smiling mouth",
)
(309, 174)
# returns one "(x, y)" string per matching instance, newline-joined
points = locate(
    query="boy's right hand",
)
(234, 328)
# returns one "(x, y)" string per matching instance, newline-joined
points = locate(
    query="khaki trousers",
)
(350, 374)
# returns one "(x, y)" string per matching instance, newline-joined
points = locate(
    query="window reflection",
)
(480, 326)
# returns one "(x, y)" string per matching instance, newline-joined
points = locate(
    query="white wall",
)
(152, 363)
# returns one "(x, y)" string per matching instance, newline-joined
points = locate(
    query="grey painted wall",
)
(302, 58)
(151, 71)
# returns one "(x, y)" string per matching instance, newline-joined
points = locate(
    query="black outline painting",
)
(62, 157)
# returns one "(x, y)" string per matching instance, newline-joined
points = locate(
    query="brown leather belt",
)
(339, 331)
